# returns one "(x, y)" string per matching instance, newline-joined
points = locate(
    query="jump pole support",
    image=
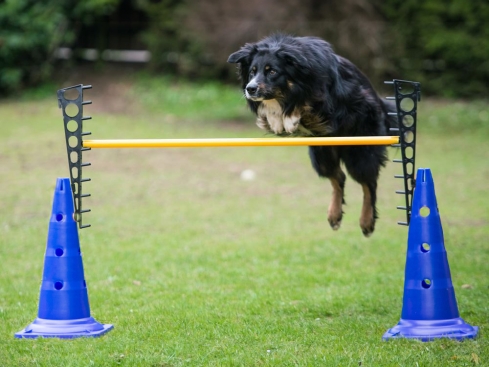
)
(76, 144)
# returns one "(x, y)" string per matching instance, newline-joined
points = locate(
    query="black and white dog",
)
(298, 86)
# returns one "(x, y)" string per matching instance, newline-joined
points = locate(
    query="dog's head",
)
(296, 71)
(269, 69)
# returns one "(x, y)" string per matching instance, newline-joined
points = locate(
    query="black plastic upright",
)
(407, 95)
(70, 100)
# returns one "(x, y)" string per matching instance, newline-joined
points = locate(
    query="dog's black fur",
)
(298, 86)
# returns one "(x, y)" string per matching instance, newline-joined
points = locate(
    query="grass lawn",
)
(196, 267)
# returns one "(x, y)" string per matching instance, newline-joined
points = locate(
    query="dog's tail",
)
(390, 119)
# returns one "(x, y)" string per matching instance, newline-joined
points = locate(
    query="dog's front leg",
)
(270, 116)
(335, 211)
(368, 215)
(276, 123)
(291, 123)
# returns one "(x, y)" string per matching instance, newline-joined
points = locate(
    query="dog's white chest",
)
(271, 117)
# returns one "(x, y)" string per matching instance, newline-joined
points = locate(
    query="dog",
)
(298, 86)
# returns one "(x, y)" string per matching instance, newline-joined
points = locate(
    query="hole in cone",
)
(425, 247)
(424, 211)
(426, 283)
(58, 286)
(59, 217)
(59, 252)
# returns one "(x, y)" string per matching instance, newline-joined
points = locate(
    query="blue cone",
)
(64, 311)
(429, 309)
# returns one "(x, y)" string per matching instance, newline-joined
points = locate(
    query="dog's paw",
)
(367, 217)
(291, 123)
(367, 226)
(335, 222)
(335, 215)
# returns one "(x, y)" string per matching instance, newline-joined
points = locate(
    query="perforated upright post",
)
(407, 95)
(70, 100)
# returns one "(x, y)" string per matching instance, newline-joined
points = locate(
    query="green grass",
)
(196, 267)
(206, 100)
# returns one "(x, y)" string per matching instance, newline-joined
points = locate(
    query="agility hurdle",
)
(76, 144)
(429, 309)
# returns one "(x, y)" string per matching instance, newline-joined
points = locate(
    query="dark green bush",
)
(30, 33)
(173, 45)
(444, 44)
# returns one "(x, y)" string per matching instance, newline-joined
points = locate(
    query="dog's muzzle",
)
(252, 91)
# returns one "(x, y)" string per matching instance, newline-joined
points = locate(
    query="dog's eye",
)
(272, 72)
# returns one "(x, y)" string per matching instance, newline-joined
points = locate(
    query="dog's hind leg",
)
(335, 211)
(326, 162)
(363, 164)
(369, 211)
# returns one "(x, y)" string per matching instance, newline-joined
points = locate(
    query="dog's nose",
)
(251, 89)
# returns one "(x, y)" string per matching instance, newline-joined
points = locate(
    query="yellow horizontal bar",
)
(239, 142)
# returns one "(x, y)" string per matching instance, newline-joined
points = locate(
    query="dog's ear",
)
(294, 56)
(242, 55)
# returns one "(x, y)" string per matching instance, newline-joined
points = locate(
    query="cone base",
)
(64, 329)
(428, 330)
